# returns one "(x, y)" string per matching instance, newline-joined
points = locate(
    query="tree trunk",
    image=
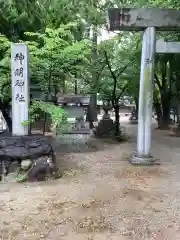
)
(165, 101)
(93, 106)
(164, 84)
(117, 125)
(89, 117)
(136, 100)
(92, 111)
(44, 123)
(64, 86)
(93, 101)
(165, 91)
(158, 111)
(177, 115)
(75, 87)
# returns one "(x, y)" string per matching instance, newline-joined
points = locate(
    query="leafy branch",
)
(58, 115)
(115, 98)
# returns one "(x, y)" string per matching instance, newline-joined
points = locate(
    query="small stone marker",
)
(20, 88)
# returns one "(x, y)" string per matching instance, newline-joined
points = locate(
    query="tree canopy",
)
(65, 54)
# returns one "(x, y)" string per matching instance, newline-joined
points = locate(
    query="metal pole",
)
(146, 98)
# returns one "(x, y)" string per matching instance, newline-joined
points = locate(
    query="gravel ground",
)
(100, 197)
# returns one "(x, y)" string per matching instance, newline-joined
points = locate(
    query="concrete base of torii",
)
(143, 161)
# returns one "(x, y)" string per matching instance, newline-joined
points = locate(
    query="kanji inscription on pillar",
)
(20, 87)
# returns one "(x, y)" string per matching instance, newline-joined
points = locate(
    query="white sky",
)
(105, 35)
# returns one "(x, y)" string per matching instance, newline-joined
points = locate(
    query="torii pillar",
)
(148, 20)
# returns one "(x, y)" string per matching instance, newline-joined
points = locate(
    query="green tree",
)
(120, 71)
(54, 57)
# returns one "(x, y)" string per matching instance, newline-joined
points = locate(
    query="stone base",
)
(143, 161)
(35, 151)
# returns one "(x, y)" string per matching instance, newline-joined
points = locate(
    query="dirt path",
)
(100, 197)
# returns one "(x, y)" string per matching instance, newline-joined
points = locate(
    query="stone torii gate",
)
(148, 20)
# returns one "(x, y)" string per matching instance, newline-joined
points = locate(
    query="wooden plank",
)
(131, 19)
(167, 47)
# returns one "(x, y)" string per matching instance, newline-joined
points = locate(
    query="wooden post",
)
(20, 88)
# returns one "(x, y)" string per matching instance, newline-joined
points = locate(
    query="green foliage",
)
(57, 115)
(120, 74)
(18, 16)
(5, 70)
(55, 54)
(52, 56)
(63, 48)
(20, 178)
